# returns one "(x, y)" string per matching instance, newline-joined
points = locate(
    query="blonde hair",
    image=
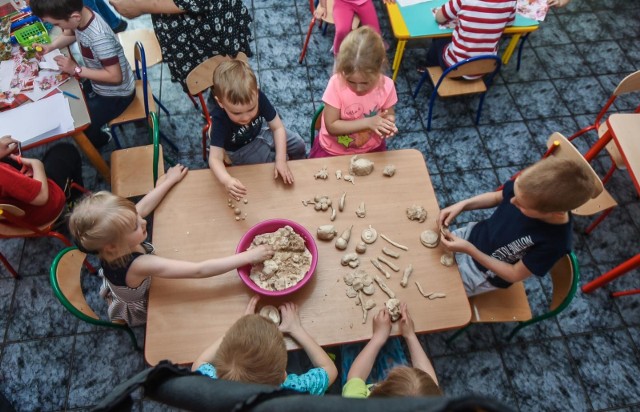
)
(557, 185)
(362, 51)
(406, 381)
(252, 351)
(101, 218)
(235, 82)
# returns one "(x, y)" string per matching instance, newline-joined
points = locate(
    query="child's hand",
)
(8, 145)
(282, 169)
(66, 64)
(290, 318)
(320, 12)
(176, 173)
(235, 188)
(448, 214)
(45, 48)
(407, 327)
(455, 243)
(557, 3)
(260, 254)
(28, 165)
(381, 326)
(382, 126)
(390, 116)
(251, 306)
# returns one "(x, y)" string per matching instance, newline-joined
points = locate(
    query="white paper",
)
(48, 62)
(406, 3)
(39, 120)
(7, 68)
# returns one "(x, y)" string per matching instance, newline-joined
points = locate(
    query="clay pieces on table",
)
(359, 166)
(393, 306)
(417, 213)
(447, 259)
(389, 170)
(429, 238)
(326, 232)
(369, 235)
(271, 312)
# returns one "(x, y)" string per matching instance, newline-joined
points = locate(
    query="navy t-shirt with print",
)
(231, 136)
(510, 236)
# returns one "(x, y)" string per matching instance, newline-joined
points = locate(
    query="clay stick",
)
(364, 309)
(390, 253)
(405, 276)
(421, 290)
(381, 269)
(392, 265)
(396, 244)
(384, 287)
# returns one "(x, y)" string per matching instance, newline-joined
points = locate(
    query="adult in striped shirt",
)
(479, 26)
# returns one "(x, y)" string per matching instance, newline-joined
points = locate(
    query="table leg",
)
(598, 145)
(398, 58)
(614, 273)
(94, 156)
(510, 48)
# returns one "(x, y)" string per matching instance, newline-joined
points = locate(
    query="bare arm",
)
(234, 187)
(134, 8)
(336, 126)
(35, 168)
(280, 140)
(440, 18)
(483, 201)
(151, 200)
(362, 364)
(419, 358)
(291, 325)
(108, 74)
(66, 38)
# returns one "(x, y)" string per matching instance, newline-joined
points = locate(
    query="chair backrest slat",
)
(479, 67)
(201, 77)
(629, 84)
(68, 273)
(562, 274)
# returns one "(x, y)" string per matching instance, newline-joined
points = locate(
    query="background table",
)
(431, 30)
(194, 223)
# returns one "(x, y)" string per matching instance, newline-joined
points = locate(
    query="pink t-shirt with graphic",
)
(354, 107)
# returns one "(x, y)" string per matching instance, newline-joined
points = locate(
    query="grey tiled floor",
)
(586, 359)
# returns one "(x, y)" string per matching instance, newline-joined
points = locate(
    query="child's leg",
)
(475, 282)
(63, 163)
(434, 54)
(343, 13)
(295, 146)
(103, 109)
(368, 17)
(260, 150)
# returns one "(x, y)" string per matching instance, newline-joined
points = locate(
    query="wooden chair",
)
(19, 227)
(512, 304)
(65, 280)
(199, 80)
(449, 83)
(327, 19)
(135, 171)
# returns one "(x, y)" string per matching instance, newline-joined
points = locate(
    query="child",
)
(527, 233)
(115, 229)
(238, 114)
(38, 187)
(358, 113)
(253, 351)
(343, 12)
(477, 32)
(418, 380)
(111, 87)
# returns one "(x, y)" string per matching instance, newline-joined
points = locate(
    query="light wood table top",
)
(194, 223)
(624, 129)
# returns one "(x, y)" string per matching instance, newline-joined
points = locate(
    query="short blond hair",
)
(235, 82)
(252, 351)
(406, 381)
(100, 219)
(557, 185)
(362, 51)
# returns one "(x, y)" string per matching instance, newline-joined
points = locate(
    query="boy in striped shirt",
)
(479, 26)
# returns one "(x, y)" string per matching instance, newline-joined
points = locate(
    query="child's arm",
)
(557, 3)
(234, 187)
(362, 364)
(440, 18)
(35, 169)
(419, 358)
(280, 140)
(111, 74)
(483, 201)
(338, 127)
(291, 325)
(210, 353)
(148, 203)
(63, 40)
(321, 11)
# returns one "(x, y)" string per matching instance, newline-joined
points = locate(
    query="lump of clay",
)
(361, 247)
(342, 200)
(349, 178)
(359, 281)
(351, 260)
(289, 264)
(271, 312)
(447, 259)
(326, 232)
(338, 174)
(360, 166)
(369, 235)
(389, 170)
(361, 211)
(343, 240)
(416, 213)
(321, 174)
(429, 238)
(321, 203)
(393, 306)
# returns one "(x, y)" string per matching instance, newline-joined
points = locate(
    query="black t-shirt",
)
(230, 136)
(510, 236)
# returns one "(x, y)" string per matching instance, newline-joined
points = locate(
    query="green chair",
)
(315, 123)
(512, 304)
(65, 281)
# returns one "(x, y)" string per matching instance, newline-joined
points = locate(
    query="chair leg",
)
(115, 138)
(160, 105)
(480, 108)
(582, 131)
(420, 83)
(204, 142)
(522, 41)
(625, 293)
(456, 335)
(612, 169)
(432, 100)
(10, 268)
(194, 101)
(596, 222)
(306, 40)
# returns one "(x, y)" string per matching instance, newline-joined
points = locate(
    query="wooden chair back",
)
(65, 279)
(629, 84)
(562, 278)
(128, 39)
(201, 77)
(450, 83)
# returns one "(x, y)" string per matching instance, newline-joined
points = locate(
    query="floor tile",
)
(584, 27)
(509, 144)
(470, 152)
(605, 57)
(536, 106)
(582, 95)
(573, 63)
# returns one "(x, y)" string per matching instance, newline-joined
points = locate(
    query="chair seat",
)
(131, 170)
(455, 87)
(501, 305)
(136, 111)
(9, 231)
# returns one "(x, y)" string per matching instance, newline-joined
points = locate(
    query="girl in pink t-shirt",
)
(358, 114)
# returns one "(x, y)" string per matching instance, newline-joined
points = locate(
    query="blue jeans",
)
(103, 109)
(434, 53)
(103, 9)
(262, 149)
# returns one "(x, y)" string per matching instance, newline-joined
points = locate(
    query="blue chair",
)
(449, 82)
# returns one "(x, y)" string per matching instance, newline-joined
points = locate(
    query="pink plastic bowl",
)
(269, 226)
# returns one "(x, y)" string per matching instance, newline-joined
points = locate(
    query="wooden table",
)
(194, 223)
(402, 35)
(623, 129)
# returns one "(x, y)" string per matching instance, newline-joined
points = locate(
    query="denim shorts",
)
(474, 280)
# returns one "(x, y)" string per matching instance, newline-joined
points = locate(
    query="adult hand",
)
(260, 254)
(290, 318)
(66, 64)
(251, 306)
(282, 169)
(381, 326)
(388, 1)
(128, 8)
(235, 188)
(176, 173)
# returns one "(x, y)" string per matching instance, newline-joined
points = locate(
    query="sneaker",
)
(122, 26)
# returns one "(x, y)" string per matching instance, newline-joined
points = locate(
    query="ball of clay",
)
(389, 170)
(447, 259)
(393, 306)
(359, 166)
(237, 211)
(416, 213)
(429, 238)
(361, 247)
(271, 312)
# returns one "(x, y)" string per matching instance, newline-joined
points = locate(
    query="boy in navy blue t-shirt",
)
(529, 230)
